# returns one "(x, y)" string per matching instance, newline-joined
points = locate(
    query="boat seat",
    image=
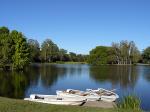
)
(38, 97)
(84, 94)
(59, 98)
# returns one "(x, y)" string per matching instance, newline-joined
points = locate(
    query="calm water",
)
(46, 79)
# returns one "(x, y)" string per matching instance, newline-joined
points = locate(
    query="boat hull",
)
(106, 98)
(88, 98)
(53, 99)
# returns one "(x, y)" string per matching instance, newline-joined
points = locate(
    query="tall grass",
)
(130, 102)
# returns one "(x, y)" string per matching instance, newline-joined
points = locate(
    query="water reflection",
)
(47, 78)
(125, 76)
(49, 74)
(146, 72)
(13, 84)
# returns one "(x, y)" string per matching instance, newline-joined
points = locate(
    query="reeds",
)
(130, 102)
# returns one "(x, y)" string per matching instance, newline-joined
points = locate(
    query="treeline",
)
(50, 52)
(18, 52)
(122, 53)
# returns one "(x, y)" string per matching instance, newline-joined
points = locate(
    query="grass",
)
(130, 102)
(13, 105)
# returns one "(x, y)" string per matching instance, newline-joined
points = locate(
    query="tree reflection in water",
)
(16, 84)
(13, 84)
(125, 76)
(49, 74)
(146, 72)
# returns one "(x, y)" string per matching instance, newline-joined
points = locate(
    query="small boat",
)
(106, 95)
(54, 99)
(71, 93)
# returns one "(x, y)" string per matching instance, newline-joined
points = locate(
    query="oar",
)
(113, 90)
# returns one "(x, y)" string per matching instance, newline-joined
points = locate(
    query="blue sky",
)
(79, 25)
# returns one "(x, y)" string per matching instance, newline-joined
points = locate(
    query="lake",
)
(47, 78)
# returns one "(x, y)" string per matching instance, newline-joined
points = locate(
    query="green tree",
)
(100, 55)
(6, 48)
(49, 51)
(81, 58)
(21, 54)
(146, 55)
(62, 54)
(126, 52)
(4, 30)
(34, 50)
(73, 56)
(134, 53)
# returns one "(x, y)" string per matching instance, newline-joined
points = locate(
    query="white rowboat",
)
(105, 95)
(54, 99)
(71, 93)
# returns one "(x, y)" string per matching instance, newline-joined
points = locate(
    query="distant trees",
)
(18, 52)
(49, 51)
(73, 56)
(119, 53)
(146, 55)
(63, 56)
(126, 52)
(81, 57)
(100, 55)
(34, 50)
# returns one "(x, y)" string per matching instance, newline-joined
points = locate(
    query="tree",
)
(4, 30)
(6, 48)
(14, 49)
(73, 56)
(81, 58)
(134, 53)
(34, 50)
(146, 55)
(62, 54)
(117, 52)
(100, 55)
(49, 50)
(126, 52)
(21, 54)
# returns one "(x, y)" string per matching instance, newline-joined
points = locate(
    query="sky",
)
(79, 25)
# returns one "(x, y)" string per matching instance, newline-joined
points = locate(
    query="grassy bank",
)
(12, 105)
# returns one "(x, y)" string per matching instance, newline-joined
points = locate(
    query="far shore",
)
(9, 67)
(60, 62)
(93, 65)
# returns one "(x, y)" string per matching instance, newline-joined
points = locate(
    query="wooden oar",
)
(113, 90)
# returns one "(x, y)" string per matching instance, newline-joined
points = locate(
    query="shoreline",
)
(17, 105)
(9, 67)
(137, 64)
